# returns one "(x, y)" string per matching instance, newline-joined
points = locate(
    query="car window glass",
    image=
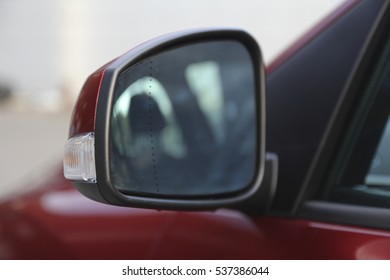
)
(379, 173)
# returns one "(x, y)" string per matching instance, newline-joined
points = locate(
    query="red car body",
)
(56, 222)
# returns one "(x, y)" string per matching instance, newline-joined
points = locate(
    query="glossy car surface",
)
(303, 88)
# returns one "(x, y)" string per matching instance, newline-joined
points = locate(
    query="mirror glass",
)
(183, 122)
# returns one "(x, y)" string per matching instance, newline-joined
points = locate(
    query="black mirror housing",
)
(176, 123)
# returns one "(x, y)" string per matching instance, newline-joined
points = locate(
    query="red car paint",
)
(84, 113)
(57, 222)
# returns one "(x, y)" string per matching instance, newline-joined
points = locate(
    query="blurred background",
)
(48, 48)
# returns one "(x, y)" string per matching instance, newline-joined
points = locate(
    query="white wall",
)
(47, 44)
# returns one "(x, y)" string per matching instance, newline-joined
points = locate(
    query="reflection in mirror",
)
(183, 122)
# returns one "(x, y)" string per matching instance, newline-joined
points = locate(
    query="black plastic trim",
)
(340, 213)
(261, 201)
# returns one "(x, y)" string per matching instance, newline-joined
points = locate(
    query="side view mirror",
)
(176, 123)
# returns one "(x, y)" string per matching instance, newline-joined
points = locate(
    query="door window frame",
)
(345, 127)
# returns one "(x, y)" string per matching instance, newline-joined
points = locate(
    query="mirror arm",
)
(260, 202)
